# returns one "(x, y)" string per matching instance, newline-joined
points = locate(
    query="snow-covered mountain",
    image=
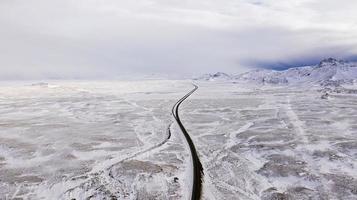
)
(328, 72)
(212, 77)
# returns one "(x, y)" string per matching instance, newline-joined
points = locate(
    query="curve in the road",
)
(197, 166)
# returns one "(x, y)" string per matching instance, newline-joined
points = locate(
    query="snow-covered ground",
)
(67, 140)
(274, 142)
(111, 140)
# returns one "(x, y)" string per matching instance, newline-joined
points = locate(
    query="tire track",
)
(103, 172)
(151, 148)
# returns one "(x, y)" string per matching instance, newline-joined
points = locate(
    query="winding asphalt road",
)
(196, 164)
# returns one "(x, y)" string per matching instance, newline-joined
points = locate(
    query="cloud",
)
(110, 38)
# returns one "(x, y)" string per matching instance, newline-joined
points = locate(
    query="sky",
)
(111, 38)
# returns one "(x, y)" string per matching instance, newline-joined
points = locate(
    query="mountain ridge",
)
(329, 71)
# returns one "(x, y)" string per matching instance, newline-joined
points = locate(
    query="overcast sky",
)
(110, 38)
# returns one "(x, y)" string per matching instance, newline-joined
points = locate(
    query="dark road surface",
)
(196, 164)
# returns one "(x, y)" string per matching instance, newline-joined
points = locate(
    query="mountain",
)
(328, 72)
(212, 77)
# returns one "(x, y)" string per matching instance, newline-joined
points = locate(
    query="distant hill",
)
(329, 71)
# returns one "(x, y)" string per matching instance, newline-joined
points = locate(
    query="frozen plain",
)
(117, 140)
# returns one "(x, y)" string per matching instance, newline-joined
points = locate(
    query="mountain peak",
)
(215, 76)
(220, 74)
(330, 62)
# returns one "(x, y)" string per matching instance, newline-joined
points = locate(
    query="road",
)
(196, 164)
